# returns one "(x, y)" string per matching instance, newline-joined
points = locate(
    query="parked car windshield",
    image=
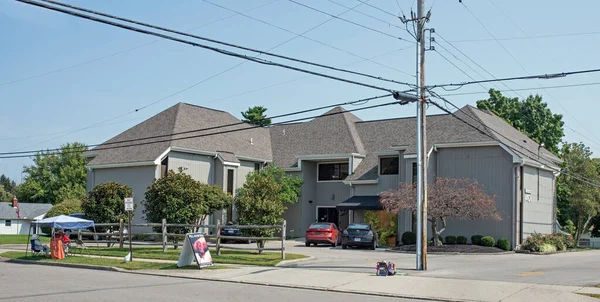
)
(320, 225)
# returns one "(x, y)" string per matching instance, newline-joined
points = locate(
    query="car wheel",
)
(344, 246)
(307, 244)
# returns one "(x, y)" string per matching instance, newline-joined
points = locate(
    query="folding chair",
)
(36, 247)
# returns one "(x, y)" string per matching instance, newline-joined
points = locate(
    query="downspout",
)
(514, 204)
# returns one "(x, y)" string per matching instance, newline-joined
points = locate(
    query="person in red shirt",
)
(61, 235)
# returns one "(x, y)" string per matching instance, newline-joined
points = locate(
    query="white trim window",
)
(389, 165)
(332, 171)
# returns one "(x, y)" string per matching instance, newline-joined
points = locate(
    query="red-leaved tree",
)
(458, 198)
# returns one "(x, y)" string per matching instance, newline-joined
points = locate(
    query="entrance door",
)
(327, 215)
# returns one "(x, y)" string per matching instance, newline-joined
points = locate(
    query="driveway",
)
(574, 268)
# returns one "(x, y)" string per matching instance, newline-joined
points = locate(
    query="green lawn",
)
(592, 295)
(135, 265)
(227, 256)
(20, 239)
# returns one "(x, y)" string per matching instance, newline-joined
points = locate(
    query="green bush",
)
(504, 244)
(476, 239)
(461, 240)
(409, 238)
(560, 242)
(547, 248)
(487, 241)
(439, 237)
(450, 239)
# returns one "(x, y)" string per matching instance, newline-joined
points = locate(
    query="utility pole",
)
(421, 18)
(421, 137)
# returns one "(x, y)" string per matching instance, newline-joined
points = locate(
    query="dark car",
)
(359, 235)
(231, 231)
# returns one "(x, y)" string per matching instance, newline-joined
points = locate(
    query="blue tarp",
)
(64, 222)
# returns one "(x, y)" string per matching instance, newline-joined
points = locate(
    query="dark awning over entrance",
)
(360, 203)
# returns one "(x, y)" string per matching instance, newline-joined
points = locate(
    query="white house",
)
(11, 223)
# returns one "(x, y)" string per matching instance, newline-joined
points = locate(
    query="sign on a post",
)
(195, 249)
(129, 204)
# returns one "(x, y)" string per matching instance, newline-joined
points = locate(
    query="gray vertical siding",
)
(538, 206)
(245, 168)
(300, 215)
(492, 167)
(138, 178)
(199, 167)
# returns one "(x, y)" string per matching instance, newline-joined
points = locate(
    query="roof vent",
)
(251, 142)
(283, 131)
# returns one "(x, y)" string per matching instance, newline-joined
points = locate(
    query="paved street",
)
(576, 269)
(45, 283)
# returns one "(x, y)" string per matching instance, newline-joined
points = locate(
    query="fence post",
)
(283, 240)
(218, 238)
(79, 234)
(120, 233)
(164, 234)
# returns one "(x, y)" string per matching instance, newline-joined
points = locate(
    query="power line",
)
(551, 58)
(456, 66)
(473, 61)
(34, 152)
(346, 20)
(215, 49)
(308, 38)
(367, 15)
(532, 77)
(119, 52)
(531, 37)
(296, 79)
(227, 43)
(525, 89)
(588, 181)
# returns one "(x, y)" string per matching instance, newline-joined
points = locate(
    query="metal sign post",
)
(129, 209)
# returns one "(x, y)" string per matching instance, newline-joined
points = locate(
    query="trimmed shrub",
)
(461, 240)
(561, 242)
(487, 241)
(568, 240)
(450, 239)
(476, 239)
(409, 238)
(547, 248)
(504, 244)
(439, 237)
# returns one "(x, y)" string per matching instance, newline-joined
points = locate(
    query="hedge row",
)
(503, 243)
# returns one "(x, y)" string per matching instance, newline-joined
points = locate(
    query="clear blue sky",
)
(33, 112)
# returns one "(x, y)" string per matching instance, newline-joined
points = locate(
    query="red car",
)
(324, 232)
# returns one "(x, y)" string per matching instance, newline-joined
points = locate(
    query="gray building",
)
(345, 163)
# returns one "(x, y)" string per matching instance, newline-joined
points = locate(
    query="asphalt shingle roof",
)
(182, 117)
(27, 210)
(335, 132)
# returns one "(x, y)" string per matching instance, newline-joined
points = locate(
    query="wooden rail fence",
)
(118, 235)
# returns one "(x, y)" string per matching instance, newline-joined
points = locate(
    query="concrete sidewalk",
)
(405, 286)
(393, 286)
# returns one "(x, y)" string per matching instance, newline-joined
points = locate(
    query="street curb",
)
(305, 287)
(285, 262)
(455, 253)
(71, 265)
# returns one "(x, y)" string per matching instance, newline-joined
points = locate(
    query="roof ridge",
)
(207, 108)
(482, 122)
(176, 118)
(360, 148)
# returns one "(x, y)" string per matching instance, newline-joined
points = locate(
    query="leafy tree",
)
(578, 202)
(530, 116)
(263, 198)
(65, 207)
(104, 203)
(447, 197)
(256, 116)
(180, 199)
(4, 195)
(55, 176)
(8, 187)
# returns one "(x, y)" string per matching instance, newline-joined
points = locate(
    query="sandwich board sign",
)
(195, 248)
